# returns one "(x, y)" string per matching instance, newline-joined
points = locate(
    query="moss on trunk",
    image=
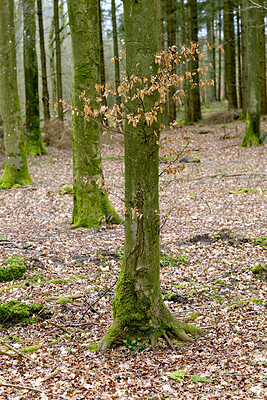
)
(138, 308)
(35, 146)
(16, 167)
(90, 201)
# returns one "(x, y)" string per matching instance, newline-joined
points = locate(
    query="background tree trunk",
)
(16, 167)
(193, 109)
(115, 50)
(138, 307)
(52, 67)
(90, 201)
(230, 56)
(252, 136)
(58, 62)
(35, 146)
(171, 41)
(45, 94)
(262, 57)
(244, 56)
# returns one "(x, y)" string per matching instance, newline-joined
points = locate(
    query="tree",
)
(262, 57)
(115, 49)
(211, 89)
(230, 64)
(138, 307)
(35, 146)
(90, 200)
(45, 94)
(244, 56)
(193, 109)
(171, 41)
(16, 167)
(58, 62)
(252, 136)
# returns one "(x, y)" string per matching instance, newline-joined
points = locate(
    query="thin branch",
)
(19, 386)
(17, 351)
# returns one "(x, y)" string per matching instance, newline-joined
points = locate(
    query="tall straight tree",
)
(58, 62)
(262, 56)
(193, 109)
(115, 49)
(244, 56)
(230, 56)
(45, 95)
(35, 146)
(138, 307)
(90, 201)
(171, 41)
(211, 89)
(16, 167)
(252, 136)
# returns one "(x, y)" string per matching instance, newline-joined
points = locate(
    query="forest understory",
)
(213, 234)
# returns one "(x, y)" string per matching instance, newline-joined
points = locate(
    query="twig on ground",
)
(169, 342)
(17, 351)
(19, 386)
(226, 176)
(54, 373)
(58, 326)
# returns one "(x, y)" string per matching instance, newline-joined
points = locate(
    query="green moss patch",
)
(14, 268)
(66, 190)
(14, 312)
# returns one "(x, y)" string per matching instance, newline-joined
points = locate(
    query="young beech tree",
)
(35, 146)
(90, 201)
(16, 167)
(138, 308)
(252, 136)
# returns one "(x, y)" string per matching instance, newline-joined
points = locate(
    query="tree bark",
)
(115, 50)
(45, 93)
(230, 59)
(51, 40)
(252, 136)
(244, 56)
(35, 146)
(262, 57)
(211, 89)
(16, 167)
(90, 201)
(58, 62)
(193, 108)
(171, 41)
(138, 307)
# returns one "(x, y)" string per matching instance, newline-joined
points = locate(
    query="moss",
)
(93, 346)
(15, 311)
(257, 270)
(64, 300)
(257, 301)
(66, 190)
(245, 190)
(252, 136)
(14, 268)
(31, 349)
(261, 241)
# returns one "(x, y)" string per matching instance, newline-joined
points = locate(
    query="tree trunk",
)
(35, 146)
(262, 57)
(51, 40)
(138, 307)
(45, 95)
(171, 41)
(239, 67)
(58, 62)
(16, 167)
(230, 63)
(252, 136)
(211, 89)
(115, 50)
(193, 109)
(164, 115)
(101, 50)
(219, 57)
(90, 201)
(244, 56)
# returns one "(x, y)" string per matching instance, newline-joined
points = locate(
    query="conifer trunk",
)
(262, 57)
(138, 308)
(90, 201)
(16, 167)
(58, 62)
(35, 146)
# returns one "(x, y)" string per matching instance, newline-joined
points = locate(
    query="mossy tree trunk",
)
(262, 56)
(244, 56)
(90, 201)
(45, 95)
(16, 167)
(35, 146)
(138, 308)
(252, 136)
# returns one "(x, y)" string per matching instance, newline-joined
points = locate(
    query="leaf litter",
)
(74, 274)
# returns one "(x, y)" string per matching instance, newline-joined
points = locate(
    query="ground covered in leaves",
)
(213, 229)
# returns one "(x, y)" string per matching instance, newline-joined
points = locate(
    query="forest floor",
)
(208, 248)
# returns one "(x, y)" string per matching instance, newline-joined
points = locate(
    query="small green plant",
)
(261, 241)
(171, 262)
(66, 190)
(14, 268)
(64, 300)
(245, 190)
(178, 375)
(257, 301)
(197, 379)
(134, 345)
(257, 270)
(92, 347)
